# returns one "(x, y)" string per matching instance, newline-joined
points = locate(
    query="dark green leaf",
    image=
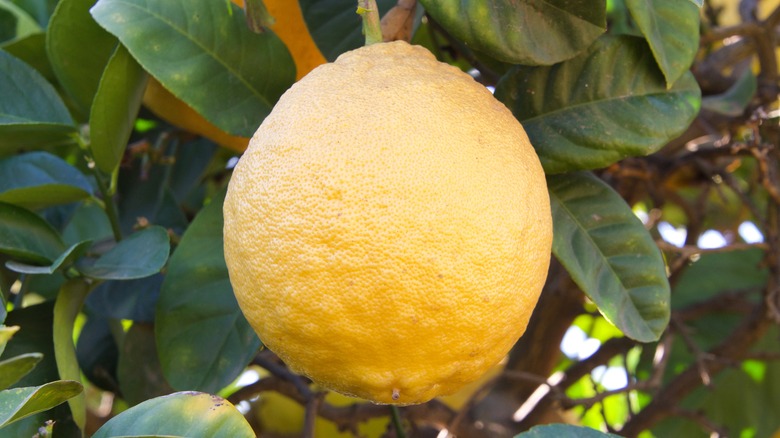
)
(203, 339)
(182, 413)
(79, 50)
(139, 372)
(733, 102)
(88, 222)
(36, 337)
(97, 351)
(26, 237)
(15, 23)
(41, 10)
(716, 273)
(32, 50)
(64, 260)
(530, 32)
(69, 302)
(115, 108)
(672, 29)
(140, 255)
(18, 403)
(39, 179)
(146, 194)
(127, 299)
(334, 26)
(604, 105)
(564, 431)
(610, 255)
(13, 369)
(31, 112)
(205, 56)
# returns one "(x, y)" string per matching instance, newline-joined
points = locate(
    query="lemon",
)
(388, 230)
(289, 27)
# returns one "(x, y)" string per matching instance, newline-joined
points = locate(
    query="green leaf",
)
(127, 299)
(733, 102)
(18, 403)
(13, 369)
(334, 26)
(79, 50)
(6, 333)
(205, 55)
(139, 373)
(32, 50)
(36, 337)
(140, 255)
(114, 109)
(26, 237)
(64, 260)
(600, 107)
(41, 10)
(530, 32)
(69, 302)
(672, 30)
(180, 414)
(88, 222)
(203, 339)
(609, 254)
(564, 431)
(40, 179)
(31, 112)
(16, 23)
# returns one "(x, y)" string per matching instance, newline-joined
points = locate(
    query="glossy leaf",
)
(564, 431)
(733, 102)
(672, 30)
(79, 50)
(530, 32)
(203, 339)
(114, 109)
(40, 179)
(31, 112)
(65, 259)
(26, 237)
(179, 414)
(88, 222)
(13, 369)
(604, 105)
(334, 26)
(232, 76)
(18, 403)
(41, 10)
(67, 307)
(609, 254)
(140, 255)
(6, 333)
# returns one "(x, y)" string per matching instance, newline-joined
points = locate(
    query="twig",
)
(702, 420)
(700, 357)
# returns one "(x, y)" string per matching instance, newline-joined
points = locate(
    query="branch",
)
(664, 402)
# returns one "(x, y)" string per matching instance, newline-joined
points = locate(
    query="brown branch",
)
(665, 401)
(702, 420)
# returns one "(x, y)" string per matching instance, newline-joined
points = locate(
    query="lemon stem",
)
(372, 28)
(399, 428)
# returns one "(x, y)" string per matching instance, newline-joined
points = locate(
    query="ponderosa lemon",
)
(388, 230)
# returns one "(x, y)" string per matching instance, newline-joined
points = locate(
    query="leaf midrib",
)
(205, 49)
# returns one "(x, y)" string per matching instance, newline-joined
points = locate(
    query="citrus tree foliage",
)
(653, 120)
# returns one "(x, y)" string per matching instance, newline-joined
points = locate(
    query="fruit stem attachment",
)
(372, 28)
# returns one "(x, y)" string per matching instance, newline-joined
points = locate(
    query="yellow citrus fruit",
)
(388, 231)
(289, 27)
